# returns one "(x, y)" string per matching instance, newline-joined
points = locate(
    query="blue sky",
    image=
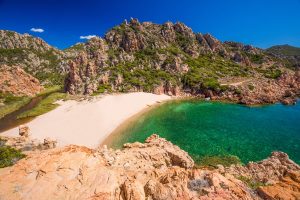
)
(262, 23)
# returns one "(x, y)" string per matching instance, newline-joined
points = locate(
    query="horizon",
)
(65, 23)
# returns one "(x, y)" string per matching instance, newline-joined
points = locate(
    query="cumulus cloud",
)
(87, 37)
(37, 30)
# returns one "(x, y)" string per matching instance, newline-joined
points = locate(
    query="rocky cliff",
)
(156, 169)
(172, 59)
(14, 80)
(33, 55)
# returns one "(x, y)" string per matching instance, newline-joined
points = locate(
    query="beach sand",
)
(88, 122)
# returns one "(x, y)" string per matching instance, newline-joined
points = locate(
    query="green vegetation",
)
(51, 76)
(251, 87)
(47, 71)
(102, 89)
(44, 106)
(76, 47)
(51, 89)
(203, 73)
(140, 73)
(256, 58)
(12, 56)
(286, 50)
(9, 155)
(182, 40)
(274, 74)
(205, 70)
(250, 182)
(11, 103)
(213, 161)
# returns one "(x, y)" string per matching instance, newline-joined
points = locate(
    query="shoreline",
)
(89, 122)
(117, 131)
(113, 129)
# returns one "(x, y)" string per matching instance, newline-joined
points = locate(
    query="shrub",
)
(250, 182)
(237, 91)
(9, 155)
(274, 74)
(251, 87)
(256, 58)
(211, 83)
(213, 161)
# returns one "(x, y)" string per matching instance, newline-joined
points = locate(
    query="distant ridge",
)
(285, 49)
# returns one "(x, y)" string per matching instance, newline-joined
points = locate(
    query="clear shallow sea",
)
(215, 128)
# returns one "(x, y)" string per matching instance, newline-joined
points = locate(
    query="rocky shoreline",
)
(285, 89)
(156, 169)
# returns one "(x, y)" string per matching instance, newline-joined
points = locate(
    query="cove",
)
(219, 129)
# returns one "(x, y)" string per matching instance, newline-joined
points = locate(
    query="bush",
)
(250, 182)
(225, 160)
(274, 74)
(237, 91)
(211, 83)
(9, 155)
(257, 58)
(251, 87)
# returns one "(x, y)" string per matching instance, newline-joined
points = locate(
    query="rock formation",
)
(16, 81)
(25, 143)
(156, 169)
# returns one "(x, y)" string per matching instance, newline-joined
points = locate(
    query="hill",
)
(33, 55)
(286, 52)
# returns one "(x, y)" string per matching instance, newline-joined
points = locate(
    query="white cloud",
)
(37, 30)
(87, 37)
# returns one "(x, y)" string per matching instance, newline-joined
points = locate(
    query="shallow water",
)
(215, 128)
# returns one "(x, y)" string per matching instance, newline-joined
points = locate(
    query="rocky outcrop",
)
(83, 77)
(285, 89)
(156, 169)
(16, 81)
(288, 187)
(24, 143)
(13, 40)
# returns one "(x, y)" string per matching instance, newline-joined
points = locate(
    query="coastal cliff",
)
(156, 169)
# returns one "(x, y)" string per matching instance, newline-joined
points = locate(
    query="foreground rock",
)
(27, 144)
(156, 169)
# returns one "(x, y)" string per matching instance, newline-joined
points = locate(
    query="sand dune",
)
(88, 122)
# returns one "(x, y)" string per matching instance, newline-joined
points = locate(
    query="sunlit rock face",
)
(156, 169)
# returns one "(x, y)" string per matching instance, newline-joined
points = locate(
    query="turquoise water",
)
(215, 128)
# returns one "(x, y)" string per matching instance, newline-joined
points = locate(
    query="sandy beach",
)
(88, 122)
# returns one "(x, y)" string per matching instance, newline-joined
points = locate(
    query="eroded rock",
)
(156, 169)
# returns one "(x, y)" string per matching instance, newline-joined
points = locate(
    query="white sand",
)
(88, 123)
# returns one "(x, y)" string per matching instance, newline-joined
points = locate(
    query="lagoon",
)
(219, 129)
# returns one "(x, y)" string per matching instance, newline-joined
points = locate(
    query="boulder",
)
(24, 131)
